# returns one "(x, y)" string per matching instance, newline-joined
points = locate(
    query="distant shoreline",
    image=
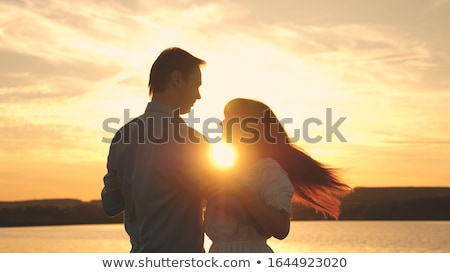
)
(396, 203)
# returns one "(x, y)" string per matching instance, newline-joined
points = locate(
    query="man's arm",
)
(112, 196)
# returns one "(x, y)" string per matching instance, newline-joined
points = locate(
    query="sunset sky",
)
(67, 66)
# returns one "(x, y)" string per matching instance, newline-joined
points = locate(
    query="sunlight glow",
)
(222, 155)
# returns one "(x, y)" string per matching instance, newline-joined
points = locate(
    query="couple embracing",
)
(160, 176)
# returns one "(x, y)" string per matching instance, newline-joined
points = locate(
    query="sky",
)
(376, 70)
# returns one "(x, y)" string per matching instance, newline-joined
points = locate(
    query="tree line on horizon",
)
(362, 204)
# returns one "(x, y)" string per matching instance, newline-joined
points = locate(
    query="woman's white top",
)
(228, 225)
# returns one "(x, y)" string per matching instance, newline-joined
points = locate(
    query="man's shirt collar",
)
(160, 107)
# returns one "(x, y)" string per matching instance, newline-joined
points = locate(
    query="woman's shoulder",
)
(267, 162)
(274, 181)
(268, 166)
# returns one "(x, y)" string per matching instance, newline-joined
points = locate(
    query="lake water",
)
(305, 236)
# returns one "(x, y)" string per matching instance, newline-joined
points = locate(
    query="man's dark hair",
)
(169, 60)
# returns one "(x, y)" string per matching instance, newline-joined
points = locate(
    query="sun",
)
(222, 155)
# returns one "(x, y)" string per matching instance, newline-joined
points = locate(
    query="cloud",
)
(439, 4)
(25, 78)
(420, 142)
(361, 43)
(357, 54)
(22, 135)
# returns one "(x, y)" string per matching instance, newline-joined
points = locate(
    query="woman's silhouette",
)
(269, 172)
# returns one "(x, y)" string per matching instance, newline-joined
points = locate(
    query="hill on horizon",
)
(370, 194)
(364, 203)
(59, 203)
(388, 203)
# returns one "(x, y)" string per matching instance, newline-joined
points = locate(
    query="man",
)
(155, 161)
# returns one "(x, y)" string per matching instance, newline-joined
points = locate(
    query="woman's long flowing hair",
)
(316, 185)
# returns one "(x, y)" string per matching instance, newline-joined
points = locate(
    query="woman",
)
(268, 173)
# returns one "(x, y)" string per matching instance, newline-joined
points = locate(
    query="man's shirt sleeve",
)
(112, 196)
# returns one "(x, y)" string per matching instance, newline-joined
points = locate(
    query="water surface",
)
(305, 236)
